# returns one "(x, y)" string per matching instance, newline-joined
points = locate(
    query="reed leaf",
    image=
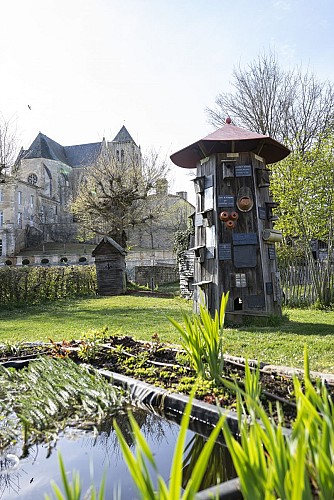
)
(202, 339)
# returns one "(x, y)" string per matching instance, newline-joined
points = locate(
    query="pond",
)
(95, 455)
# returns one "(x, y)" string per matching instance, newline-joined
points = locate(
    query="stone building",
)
(34, 196)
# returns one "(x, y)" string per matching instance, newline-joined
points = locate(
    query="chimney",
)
(182, 194)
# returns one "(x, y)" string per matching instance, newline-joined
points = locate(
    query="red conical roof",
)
(230, 139)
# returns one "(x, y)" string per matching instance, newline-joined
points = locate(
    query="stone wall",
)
(156, 275)
(186, 267)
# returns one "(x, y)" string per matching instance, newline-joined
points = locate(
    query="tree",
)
(167, 215)
(111, 197)
(289, 105)
(303, 183)
(8, 144)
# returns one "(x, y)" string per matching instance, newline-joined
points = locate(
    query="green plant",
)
(272, 463)
(73, 489)
(202, 339)
(34, 285)
(44, 405)
(139, 471)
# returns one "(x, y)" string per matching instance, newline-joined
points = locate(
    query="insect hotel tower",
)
(234, 234)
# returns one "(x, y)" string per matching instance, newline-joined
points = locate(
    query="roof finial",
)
(228, 120)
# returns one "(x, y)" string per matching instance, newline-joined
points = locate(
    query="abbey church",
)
(35, 195)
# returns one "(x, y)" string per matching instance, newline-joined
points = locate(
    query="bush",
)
(33, 285)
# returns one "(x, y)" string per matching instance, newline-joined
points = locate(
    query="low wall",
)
(156, 275)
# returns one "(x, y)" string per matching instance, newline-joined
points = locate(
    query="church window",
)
(117, 155)
(0, 247)
(48, 181)
(122, 155)
(19, 219)
(1, 195)
(1, 219)
(32, 201)
(19, 197)
(32, 179)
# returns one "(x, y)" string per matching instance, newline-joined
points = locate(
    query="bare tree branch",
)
(113, 194)
(290, 106)
(8, 143)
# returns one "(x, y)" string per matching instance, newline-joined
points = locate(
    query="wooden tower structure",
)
(234, 233)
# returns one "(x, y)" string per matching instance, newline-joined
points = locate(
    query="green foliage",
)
(303, 183)
(292, 253)
(202, 339)
(274, 464)
(181, 240)
(33, 285)
(44, 405)
(73, 489)
(139, 471)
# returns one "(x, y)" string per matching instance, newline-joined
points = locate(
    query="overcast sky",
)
(86, 67)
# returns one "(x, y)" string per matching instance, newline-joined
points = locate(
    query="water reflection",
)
(96, 452)
(220, 466)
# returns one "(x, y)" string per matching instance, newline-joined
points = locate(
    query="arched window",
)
(32, 179)
(48, 181)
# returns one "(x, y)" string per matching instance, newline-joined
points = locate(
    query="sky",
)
(88, 67)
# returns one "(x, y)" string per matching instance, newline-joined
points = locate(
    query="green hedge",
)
(33, 285)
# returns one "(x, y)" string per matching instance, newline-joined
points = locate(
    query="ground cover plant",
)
(285, 465)
(143, 316)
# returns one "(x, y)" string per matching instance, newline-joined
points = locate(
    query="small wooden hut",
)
(234, 234)
(110, 267)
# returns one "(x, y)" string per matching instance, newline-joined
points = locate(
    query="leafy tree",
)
(303, 183)
(286, 104)
(112, 195)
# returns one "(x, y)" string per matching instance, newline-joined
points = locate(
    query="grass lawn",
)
(142, 316)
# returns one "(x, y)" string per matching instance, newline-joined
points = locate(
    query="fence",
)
(304, 285)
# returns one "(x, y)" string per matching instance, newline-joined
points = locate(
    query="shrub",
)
(33, 285)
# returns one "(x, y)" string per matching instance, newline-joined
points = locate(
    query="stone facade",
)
(34, 196)
(34, 203)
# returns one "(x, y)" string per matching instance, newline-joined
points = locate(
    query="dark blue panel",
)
(244, 238)
(245, 256)
(272, 252)
(243, 170)
(225, 251)
(226, 200)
